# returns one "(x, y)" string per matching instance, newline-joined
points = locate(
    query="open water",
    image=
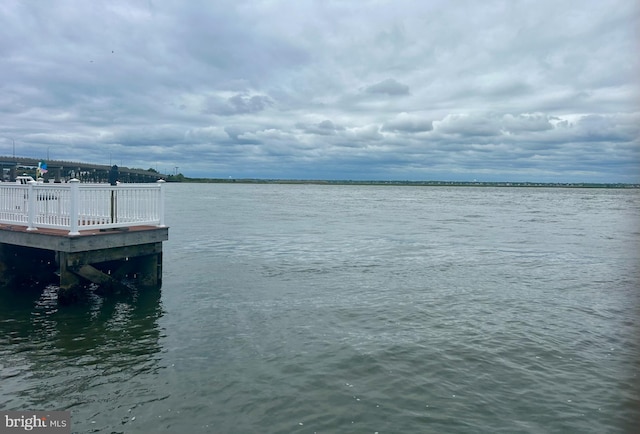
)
(352, 309)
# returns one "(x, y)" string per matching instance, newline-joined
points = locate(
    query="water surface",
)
(355, 309)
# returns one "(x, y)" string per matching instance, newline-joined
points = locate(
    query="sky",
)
(493, 90)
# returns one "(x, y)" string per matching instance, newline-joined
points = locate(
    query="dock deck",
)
(82, 233)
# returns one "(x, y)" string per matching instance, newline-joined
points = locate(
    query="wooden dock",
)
(79, 234)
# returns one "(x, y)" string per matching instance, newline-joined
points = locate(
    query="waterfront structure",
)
(82, 233)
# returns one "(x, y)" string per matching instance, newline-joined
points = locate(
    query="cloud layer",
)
(369, 89)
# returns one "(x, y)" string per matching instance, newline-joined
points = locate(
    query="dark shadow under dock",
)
(103, 257)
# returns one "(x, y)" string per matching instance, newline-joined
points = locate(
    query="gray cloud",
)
(516, 124)
(323, 128)
(238, 104)
(405, 122)
(469, 125)
(388, 87)
(406, 90)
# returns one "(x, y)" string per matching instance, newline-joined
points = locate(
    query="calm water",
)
(353, 309)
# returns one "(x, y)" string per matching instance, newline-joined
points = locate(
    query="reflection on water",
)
(56, 359)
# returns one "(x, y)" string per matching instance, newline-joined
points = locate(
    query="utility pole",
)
(176, 169)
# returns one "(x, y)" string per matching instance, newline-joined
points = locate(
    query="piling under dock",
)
(101, 256)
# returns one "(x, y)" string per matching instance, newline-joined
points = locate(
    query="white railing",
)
(75, 206)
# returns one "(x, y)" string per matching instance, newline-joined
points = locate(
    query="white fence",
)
(75, 206)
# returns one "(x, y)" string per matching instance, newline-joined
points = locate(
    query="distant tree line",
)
(181, 178)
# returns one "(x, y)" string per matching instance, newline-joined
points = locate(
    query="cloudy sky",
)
(493, 90)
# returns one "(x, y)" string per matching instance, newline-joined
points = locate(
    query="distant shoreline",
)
(408, 183)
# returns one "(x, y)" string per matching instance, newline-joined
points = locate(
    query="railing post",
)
(162, 182)
(31, 212)
(75, 206)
